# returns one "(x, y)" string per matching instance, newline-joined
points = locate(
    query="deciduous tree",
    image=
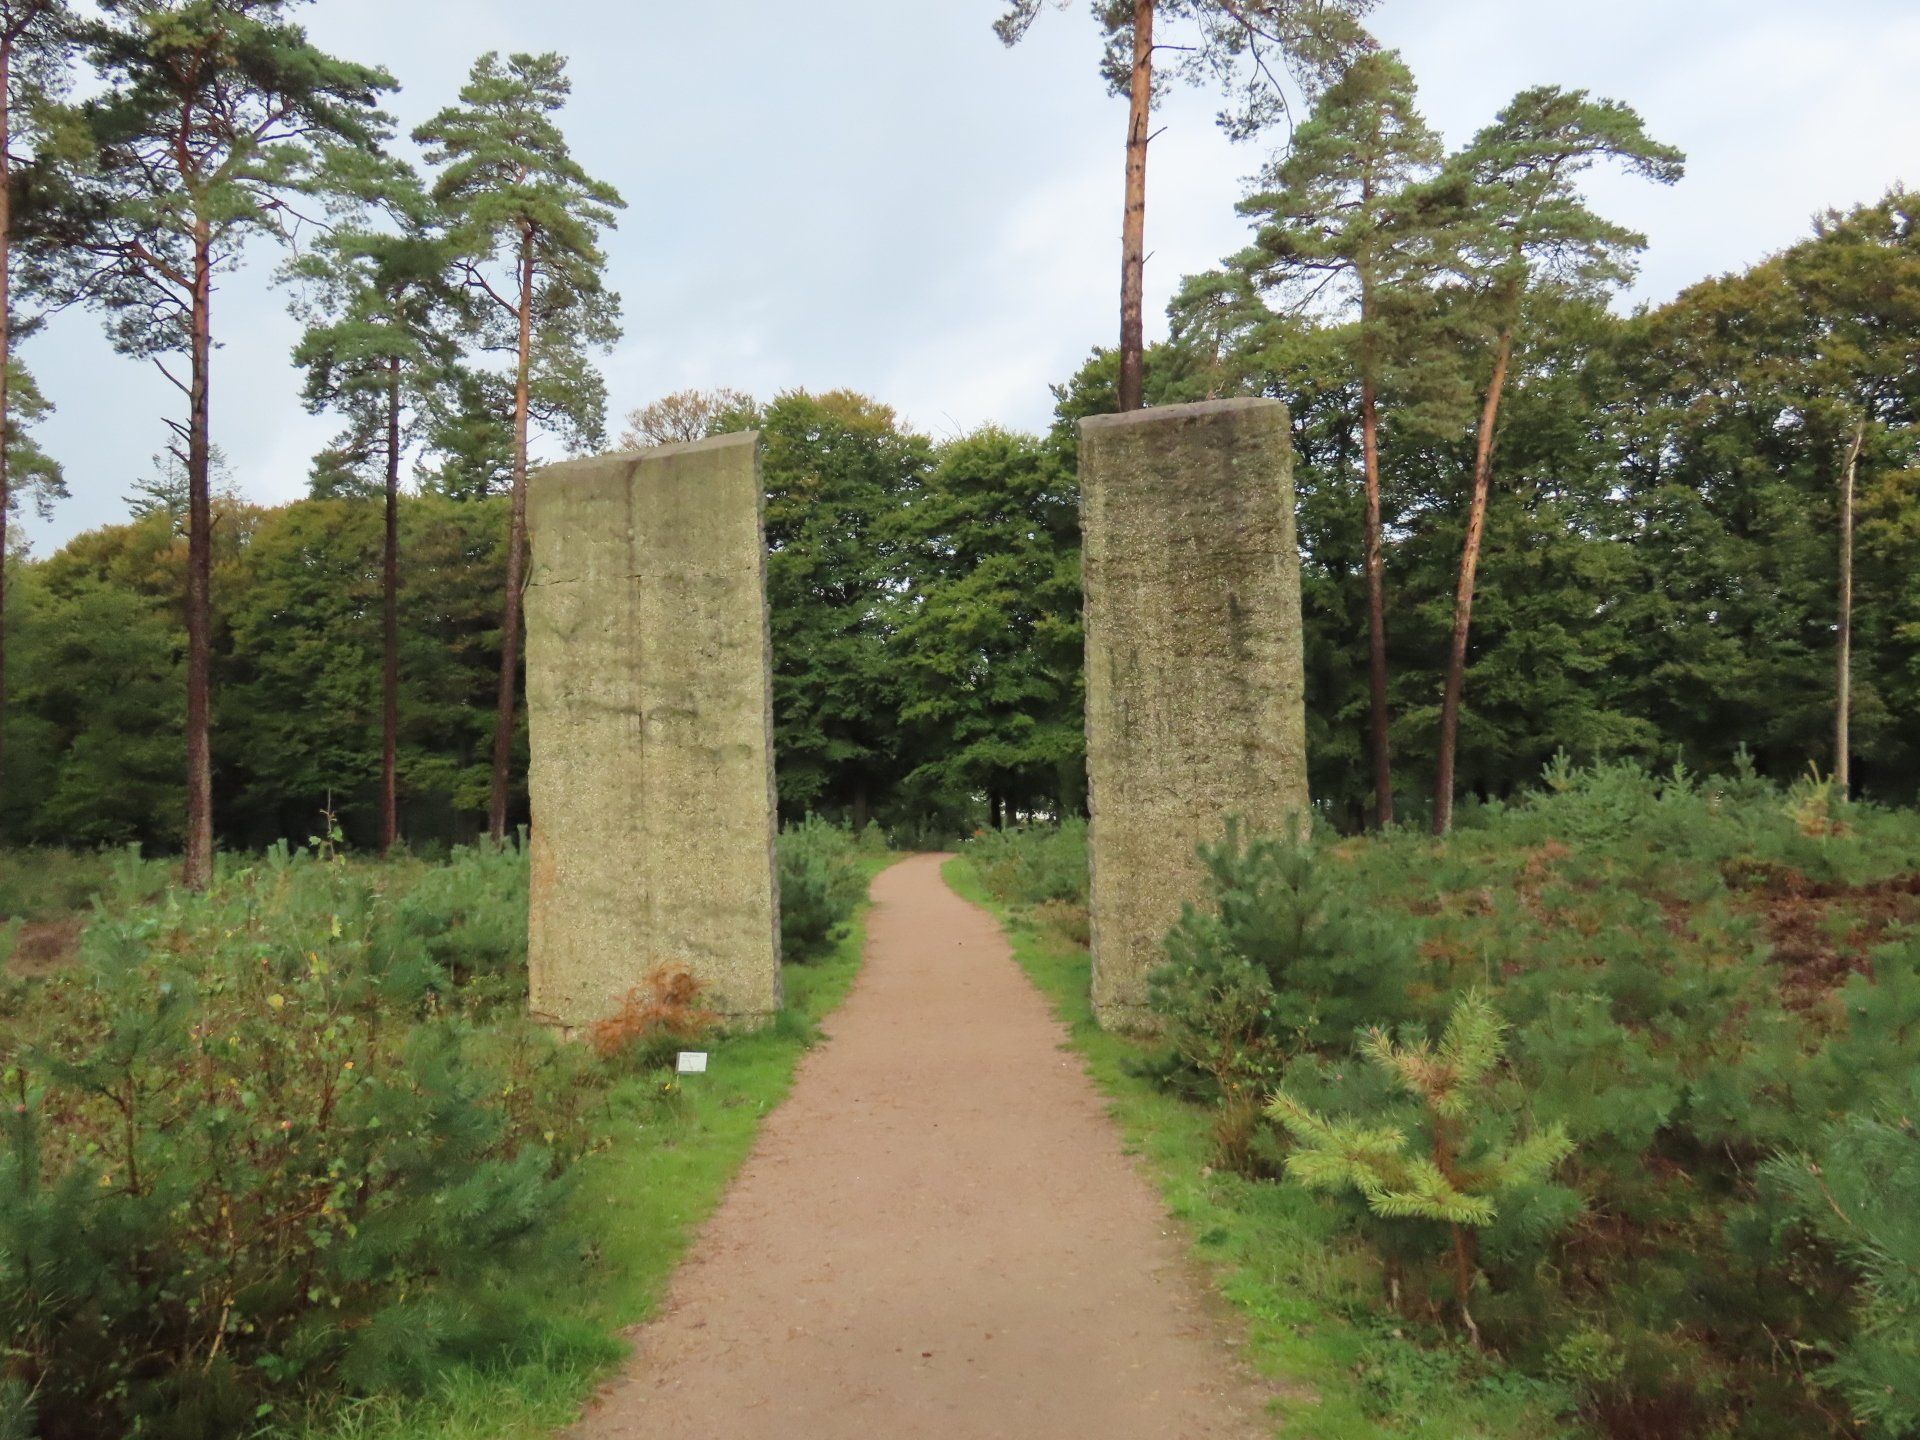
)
(839, 469)
(683, 416)
(991, 652)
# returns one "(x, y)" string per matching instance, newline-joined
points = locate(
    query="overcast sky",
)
(875, 194)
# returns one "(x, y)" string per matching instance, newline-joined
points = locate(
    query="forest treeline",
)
(1530, 523)
(1659, 582)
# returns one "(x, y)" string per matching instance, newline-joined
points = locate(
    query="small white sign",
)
(693, 1062)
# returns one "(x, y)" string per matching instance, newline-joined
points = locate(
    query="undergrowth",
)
(286, 1157)
(1708, 989)
(1309, 1292)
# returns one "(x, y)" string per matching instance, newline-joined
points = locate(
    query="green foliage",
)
(96, 710)
(1304, 1287)
(838, 467)
(1853, 1185)
(991, 692)
(250, 1161)
(523, 222)
(39, 883)
(822, 882)
(32, 474)
(1659, 983)
(456, 932)
(266, 105)
(1450, 1169)
(1856, 1189)
(1283, 958)
(1242, 48)
(1033, 864)
(375, 299)
(1657, 585)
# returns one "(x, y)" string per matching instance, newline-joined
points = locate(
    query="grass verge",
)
(1309, 1295)
(672, 1152)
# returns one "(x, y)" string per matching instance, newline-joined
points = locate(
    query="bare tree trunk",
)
(516, 557)
(6, 360)
(1843, 664)
(199, 861)
(1133, 237)
(390, 625)
(1463, 594)
(1379, 722)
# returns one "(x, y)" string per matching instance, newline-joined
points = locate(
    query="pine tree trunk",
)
(390, 625)
(6, 360)
(1379, 722)
(516, 557)
(1463, 594)
(199, 861)
(1133, 241)
(1843, 664)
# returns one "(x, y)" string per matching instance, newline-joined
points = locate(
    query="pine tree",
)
(35, 46)
(1334, 208)
(468, 425)
(215, 119)
(1245, 46)
(1522, 224)
(1447, 1174)
(167, 491)
(376, 350)
(525, 220)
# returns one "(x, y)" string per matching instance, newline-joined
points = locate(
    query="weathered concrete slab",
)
(1195, 683)
(650, 705)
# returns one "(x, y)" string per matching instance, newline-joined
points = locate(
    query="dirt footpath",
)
(937, 1236)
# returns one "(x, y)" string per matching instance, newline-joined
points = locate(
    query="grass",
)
(641, 1201)
(1310, 1297)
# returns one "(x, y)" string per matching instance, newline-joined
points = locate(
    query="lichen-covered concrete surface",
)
(1195, 683)
(649, 702)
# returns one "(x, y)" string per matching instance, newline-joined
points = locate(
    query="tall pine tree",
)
(525, 220)
(1335, 209)
(376, 351)
(1244, 46)
(1522, 224)
(214, 122)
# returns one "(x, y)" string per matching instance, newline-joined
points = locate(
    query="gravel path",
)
(937, 1236)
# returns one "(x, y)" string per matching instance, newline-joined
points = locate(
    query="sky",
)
(876, 194)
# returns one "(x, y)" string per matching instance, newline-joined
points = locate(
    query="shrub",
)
(1459, 1158)
(236, 1174)
(1033, 864)
(655, 1021)
(1857, 1190)
(40, 883)
(821, 884)
(455, 928)
(1280, 961)
(1700, 974)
